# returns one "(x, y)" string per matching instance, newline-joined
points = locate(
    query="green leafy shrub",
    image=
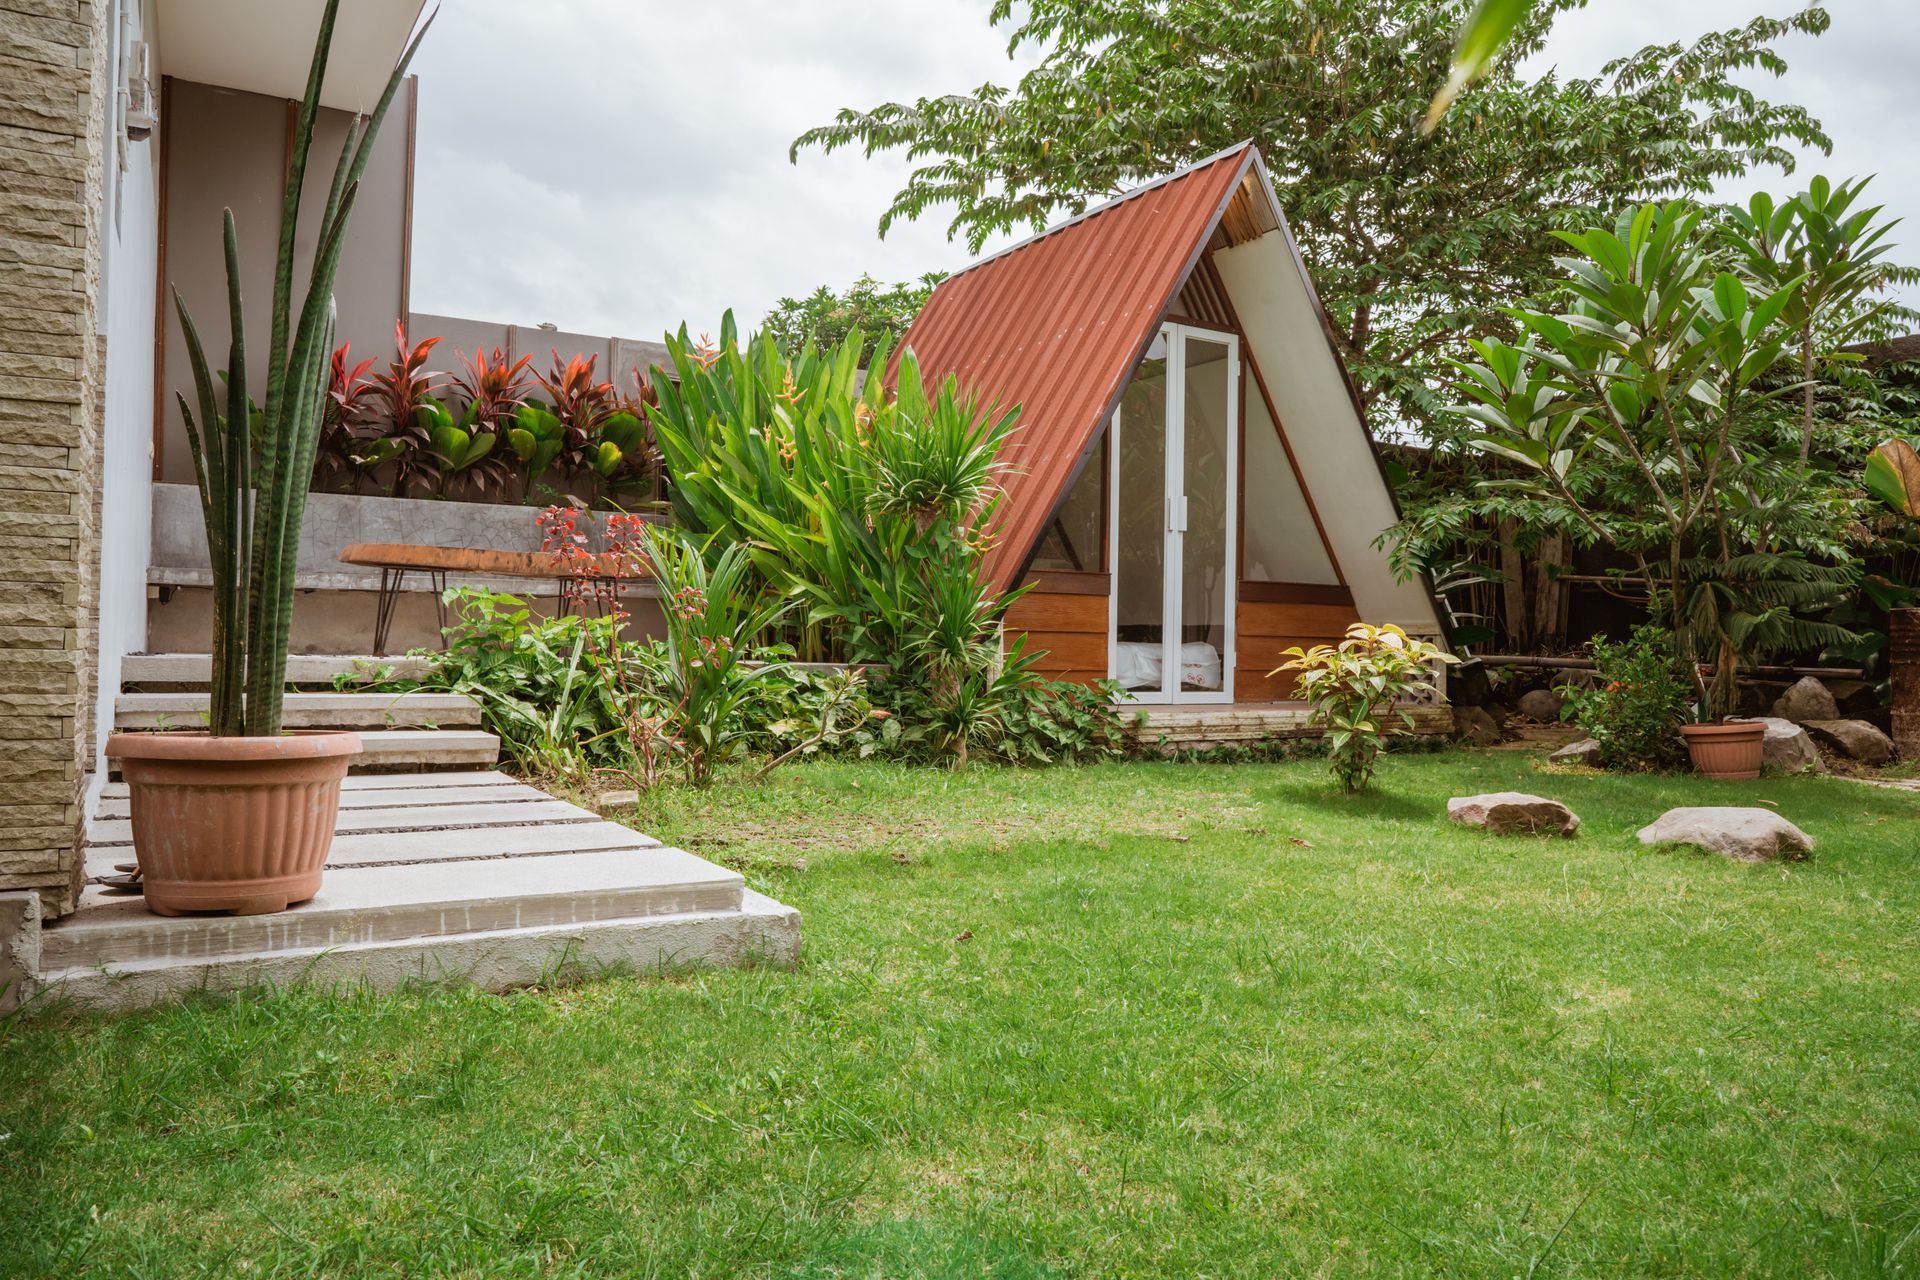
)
(860, 500)
(714, 613)
(1054, 721)
(1637, 703)
(1353, 686)
(539, 682)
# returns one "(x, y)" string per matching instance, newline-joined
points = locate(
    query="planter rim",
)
(176, 744)
(1727, 729)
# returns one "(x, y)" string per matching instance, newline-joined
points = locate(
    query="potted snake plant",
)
(239, 817)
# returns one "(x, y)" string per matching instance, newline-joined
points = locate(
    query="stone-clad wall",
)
(52, 82)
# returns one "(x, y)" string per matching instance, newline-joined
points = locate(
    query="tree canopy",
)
(1415, 239)
(821, 321)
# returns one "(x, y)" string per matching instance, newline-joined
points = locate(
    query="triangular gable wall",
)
(1287, 332)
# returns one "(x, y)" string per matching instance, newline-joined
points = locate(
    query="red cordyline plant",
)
(343, 410)
(404, 388)
(498, 386)
(579, 401)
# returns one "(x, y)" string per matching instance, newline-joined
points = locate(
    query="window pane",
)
(1072, 541)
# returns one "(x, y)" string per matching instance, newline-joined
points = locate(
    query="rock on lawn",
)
(1750, 835)
(1507, 812)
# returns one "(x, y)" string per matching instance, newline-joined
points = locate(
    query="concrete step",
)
(384, 751)
(399, 749)
(757, 930)
(187, 670)
(309, 711)
(411, 796)
(539, 816)
(428, 784)
(406, 903)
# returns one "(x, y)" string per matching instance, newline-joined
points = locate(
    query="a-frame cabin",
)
(1192, 486)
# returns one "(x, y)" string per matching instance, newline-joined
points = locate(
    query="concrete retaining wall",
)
(334, 610)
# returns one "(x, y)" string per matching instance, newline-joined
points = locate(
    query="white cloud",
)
(617, 167)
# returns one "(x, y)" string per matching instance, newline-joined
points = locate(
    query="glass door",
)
(1176, 441)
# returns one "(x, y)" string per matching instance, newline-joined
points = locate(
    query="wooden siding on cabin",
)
(1264, 628)
(1072, 629)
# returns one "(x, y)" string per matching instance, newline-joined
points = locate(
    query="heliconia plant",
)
(253, 506)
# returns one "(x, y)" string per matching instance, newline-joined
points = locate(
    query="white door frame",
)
(1173, 523)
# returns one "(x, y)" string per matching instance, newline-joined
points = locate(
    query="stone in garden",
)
(1856, 699)
(1507, 812)
(1476, 726)
(1788, 748)
(1542, 705)
(1806, 700)
(610, 801)
(1855, 739)
(1586, 752)
(1749, 835)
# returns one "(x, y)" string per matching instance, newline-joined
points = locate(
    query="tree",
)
(1835, 255)
(1644, 415)
(819, 322)
(1414, 239)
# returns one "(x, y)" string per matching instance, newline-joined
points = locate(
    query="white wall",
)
(1282, 542)
(129, 234)
(1275, 303)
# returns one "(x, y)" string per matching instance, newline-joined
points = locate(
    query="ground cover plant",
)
(1128, 1019)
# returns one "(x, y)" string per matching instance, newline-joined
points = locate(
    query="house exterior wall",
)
(227, 149)
(52, 61)
(130, 233)
(1064, 620)
(1265, 628)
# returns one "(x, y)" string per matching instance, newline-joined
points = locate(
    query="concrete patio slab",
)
(481, 879)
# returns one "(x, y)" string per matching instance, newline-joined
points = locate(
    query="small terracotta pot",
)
(1725, 750)
(232, 824)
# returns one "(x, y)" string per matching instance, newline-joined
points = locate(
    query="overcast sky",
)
(629, 170)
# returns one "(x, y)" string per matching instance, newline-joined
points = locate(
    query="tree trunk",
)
(1903, 660)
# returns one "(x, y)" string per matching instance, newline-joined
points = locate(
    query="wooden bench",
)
(395, 560)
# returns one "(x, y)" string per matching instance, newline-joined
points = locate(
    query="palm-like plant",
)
(1834, 256)
(934, 457)
(252, 507)
(1642, 414)
(865, 506)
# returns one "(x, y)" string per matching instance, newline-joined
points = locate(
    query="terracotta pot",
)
(232, 824)
(1725, 750)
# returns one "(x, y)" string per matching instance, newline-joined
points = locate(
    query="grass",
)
(1136, 1019)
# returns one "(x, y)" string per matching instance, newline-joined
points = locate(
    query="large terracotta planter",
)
(1726, 750)
(232, 824)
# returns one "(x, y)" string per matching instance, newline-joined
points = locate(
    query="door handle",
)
(1180, 514)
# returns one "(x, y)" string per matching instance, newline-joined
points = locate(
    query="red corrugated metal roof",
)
(1056, 325)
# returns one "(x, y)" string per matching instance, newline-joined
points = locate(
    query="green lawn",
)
(1137, 1019)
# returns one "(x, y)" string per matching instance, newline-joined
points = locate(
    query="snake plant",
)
(253, 505)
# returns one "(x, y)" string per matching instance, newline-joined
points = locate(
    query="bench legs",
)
(388, 600)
